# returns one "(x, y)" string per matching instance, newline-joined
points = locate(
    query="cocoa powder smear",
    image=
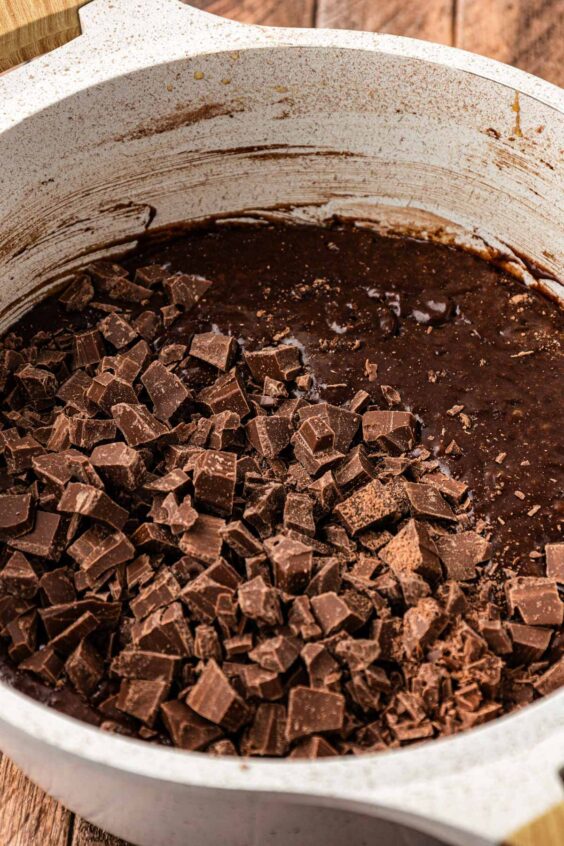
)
(284, 491)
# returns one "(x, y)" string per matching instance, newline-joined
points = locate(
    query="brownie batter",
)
(320, 406)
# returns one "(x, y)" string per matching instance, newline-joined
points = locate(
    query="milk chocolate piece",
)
(260, 602)
(117, 331)
(161, 591)
(45, 664)
(206, 643)
(111, 279)
(16, 515)
(92, 502)
(107, 390)
(298, 513)
(266, 734)
(18, 577)
(281, 363)
(99, 550)
(427, 502)
(276, 654)
(58, 617)
(39, 384)
(318, 434)
(529, 642)
(555, 561)
(226, 430)
(78, 294)
(43, 540)
(187, 729)
(413, 549)
(369, 506)
(551, 680)
(164, 631)
(202, 596)
(314, 463)
(73, 392)
(536, 599)
(263, 506)
(393, 431)
(150, 275)
(143, 664)
(215, 476)
(335, 612)
(422, 625)
(261, 683)
(461, 553)
(313, 747)
(119, 465)
(19, 451)
(166, 390)
(326, 492)
(142, 699)
(137, 424)
(86, 433)
(88, 348)
(85, 668)
(292, 563)
(226, 394)
(322, 668)
(215, 700)
(23, 634)
(343, 422)
(311, 711)
(203, 540)
(186, 289)
(57, 586)
(215, 349)
(356, 469)
(327, 578)
(69, 638)
(269, 435)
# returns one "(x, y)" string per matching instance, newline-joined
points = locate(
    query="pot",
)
(159, 115)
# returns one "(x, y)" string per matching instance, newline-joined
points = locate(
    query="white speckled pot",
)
(160, 114)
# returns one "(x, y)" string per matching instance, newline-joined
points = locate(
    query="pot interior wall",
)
(314, 130)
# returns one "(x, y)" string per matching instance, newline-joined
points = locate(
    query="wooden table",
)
(525, 33)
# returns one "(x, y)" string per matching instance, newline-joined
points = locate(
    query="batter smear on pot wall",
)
(284, 491)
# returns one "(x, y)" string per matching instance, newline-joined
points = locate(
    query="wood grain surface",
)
(526, 33)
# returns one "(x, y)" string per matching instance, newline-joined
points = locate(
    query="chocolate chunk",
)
(45, 664)
(18, 577)
(536, 599)
(19, 451)
(117, 331)
(85, 668)
(529, 642)
(39, 384)
(86, 433)
(318, 434)
(326, 492)
(111, 279)
(186, 729)
(292, 563)
(314, 463)
(215, 700)
(215, 476)
(298, 513)
(226, 394)
(143, 664)
(16, 515)
(142, 699)
(269, 435)
(369, 506)
(164, 631)
(99, 550)
(344, 423)
(203, 540)
(161, 591)
(358, 654)
(422, 625)
(276, 654)
(57, 586)
(107, 390)
(327, 579)
(186, 289)
(263, 506)
(119, 465)
(166, 390)
(335, 612)
(73, 392)
(69, 638)
(78, 294)
(461, 554)
(322, 668)
(452, 489)
(311, 711)
(426, 501)
(58, 617)
(206, 643)
(213, 348)
(226, 430)
(92, 502)
(261, 683)
(313, 747)
(239, 538)
(281, 363)
(151, 275)
(267, 732)
(259, 601)
(137, 424)
(202, 596)
(23, 634)
(393, 431)
(413, 549)
(88, 348)
(555, 561)
(44, 539)
(551, 680)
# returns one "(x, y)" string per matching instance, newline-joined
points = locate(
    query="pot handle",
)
(29, 28)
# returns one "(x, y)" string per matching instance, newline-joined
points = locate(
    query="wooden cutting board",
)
(525, 33)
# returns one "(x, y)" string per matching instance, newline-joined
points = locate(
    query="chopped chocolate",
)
(119, 465)
(536, 599)
(186, 289)
(269, 435)
(39, 384)
(551, 680)
(414, 550)
(281, 363)
(143, 664)
(426, 501)
(259, 601)
(555, 561)
(187, 729)
(78, 294)
(213, 348)
(239, 538)
(203, 540)
(107, 390)
(276, 653)
(215, 476)
(311, 711)
(461, 554)
(137, 424)
(18, 577)
(117, 331)
(226, 394)
(371, 505)
(86, 433)
(392, 431)
(266, 734)
(529, 643)
(215, 700)
(298, 513)
(16, 515)
(88, 348)
(92, 502)
(142, 699)
(292, 563)
(44, 539)
(84, 668)
(166, 391)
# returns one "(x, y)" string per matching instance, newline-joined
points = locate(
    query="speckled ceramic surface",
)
(160, 114)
